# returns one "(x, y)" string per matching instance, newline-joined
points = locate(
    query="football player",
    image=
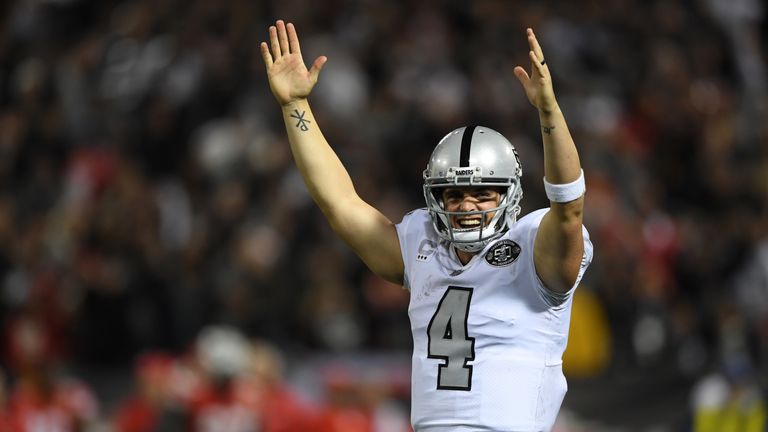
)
(490, 295)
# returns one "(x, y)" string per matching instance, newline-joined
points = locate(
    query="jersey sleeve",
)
(411, 231)
(554, 298)
(550, 297)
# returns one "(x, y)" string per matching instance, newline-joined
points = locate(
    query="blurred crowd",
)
(225, 382)
(147, 189)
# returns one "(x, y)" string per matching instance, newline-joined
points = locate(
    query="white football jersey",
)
(488, 336)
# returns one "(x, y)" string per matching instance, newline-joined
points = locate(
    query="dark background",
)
(147, 189)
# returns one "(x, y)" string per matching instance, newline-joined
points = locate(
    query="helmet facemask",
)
(474, 239)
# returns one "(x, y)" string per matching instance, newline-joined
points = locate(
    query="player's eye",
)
(452, 195)
(486, 194)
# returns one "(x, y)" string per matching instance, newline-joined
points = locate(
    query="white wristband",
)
(563, 193)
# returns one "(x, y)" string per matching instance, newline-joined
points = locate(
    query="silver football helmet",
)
(474, 156)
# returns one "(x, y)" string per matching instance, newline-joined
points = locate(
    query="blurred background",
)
(162, 267)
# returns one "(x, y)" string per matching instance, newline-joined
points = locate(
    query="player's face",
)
(470, 199)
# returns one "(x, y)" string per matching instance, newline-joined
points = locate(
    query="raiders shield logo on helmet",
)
(503, 253)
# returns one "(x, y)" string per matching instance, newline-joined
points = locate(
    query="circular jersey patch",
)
(503, 253)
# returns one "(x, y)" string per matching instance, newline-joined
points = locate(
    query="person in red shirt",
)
(224, 402)
(41, 399)
(151, 406)
(281, 408)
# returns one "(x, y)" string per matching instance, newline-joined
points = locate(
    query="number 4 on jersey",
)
(448, 340)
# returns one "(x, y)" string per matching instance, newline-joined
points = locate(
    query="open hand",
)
(537, 85)
(288, 77)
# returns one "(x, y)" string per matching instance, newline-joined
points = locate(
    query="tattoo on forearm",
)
(548, 129)
(302, 123)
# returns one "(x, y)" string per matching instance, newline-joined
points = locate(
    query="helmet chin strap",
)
(470, 247)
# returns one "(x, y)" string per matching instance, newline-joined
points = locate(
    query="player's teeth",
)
(472, 222)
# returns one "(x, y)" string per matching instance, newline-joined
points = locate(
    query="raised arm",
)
(559, 243)
(368, 232)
